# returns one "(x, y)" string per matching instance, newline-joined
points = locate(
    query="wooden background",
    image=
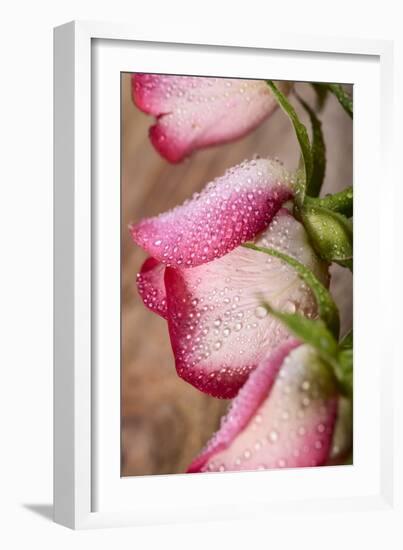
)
(165, 421)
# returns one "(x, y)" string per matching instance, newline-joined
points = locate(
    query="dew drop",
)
(260, 312)
(273, 436)
(290, 307)
(306, 401)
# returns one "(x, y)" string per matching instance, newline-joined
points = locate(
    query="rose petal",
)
(219, 330)
(229, 211)
(288, 423)
(151, 287)
(195, 112)
(245, 405)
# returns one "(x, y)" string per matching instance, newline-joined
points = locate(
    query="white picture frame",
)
(88, 490)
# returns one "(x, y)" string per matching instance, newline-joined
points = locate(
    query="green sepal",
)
(321, 89)
(315, 333)
(343, 97)
(341, 202)
(347, 341)
(345, 363)
(304, 175)
(344, 370)
(342, 441)
(310, 331)
(331, 234)
(327, 308)
(314, 185)
(322, 92)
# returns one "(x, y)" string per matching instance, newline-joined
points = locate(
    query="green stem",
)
(341, 202)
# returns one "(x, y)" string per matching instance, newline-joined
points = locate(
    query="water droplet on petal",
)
(260, 312)
(290, 307)
(273, 436)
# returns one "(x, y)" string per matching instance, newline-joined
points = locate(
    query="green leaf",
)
(331, 234)
(326, 306)
(310, 331)
(343, 97)
(314, 185)
(303, 140)
(341, 202)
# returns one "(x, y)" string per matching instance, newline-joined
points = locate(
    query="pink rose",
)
(210, 289)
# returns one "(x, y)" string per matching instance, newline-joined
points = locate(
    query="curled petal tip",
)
(196, 112)
(151, 286)
(231, 210)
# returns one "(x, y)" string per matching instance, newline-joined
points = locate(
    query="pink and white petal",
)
(243, 408)
(285, 424)
(195, 112)
(151, 94)
(219, 331)
(151, 286)
(231, 210)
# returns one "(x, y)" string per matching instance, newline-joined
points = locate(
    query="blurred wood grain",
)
(165, 421)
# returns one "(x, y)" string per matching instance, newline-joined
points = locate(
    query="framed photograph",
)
(206, 292)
